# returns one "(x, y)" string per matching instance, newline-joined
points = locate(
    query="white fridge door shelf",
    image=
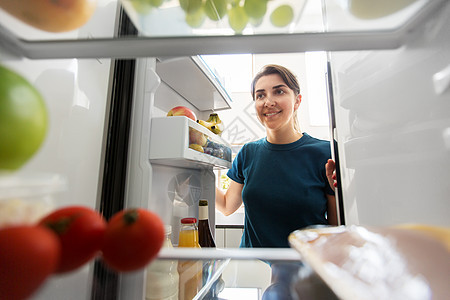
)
(170, 140)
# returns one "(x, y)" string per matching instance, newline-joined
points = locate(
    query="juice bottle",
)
(188, 236)
(190, 271)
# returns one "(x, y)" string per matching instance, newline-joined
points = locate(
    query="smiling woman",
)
(285, 180)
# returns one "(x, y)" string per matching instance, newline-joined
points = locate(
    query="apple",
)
(197, 137)
(182, 111)
(23, 120)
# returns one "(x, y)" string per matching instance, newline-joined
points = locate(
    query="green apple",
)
(23, 120)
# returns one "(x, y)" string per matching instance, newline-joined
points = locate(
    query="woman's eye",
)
(259, 96)
(279, 92)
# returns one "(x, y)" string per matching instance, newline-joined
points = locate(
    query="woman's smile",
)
(271, 114)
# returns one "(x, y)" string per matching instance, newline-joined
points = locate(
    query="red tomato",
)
(132, 239)
(28, 255)
(80, 230)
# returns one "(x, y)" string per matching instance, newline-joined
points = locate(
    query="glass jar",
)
(162, 275)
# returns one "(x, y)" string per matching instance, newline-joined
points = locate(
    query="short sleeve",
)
(236, 172)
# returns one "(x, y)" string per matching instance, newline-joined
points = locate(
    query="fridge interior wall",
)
(393, 129)
(173, 192)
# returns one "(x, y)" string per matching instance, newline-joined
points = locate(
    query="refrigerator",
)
(109, 84)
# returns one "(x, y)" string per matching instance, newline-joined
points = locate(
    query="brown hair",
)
(289, 79)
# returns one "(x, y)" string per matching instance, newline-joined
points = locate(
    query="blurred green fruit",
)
(256, 9)
(237, 18)
(156, 3)
(215, 9)
(282, 16)
(141, 6)
(196, 19)
(191, 6)
(255, 22)
(23, 120)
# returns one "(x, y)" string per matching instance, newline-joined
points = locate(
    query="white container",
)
(27, 197)
(162, 275)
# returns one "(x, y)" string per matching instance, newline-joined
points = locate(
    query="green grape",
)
(237, 18)
(215, 9)
(191, 6)
(141, 6)
(256, 9)
(255, 22)
(156, 3)
(196, 19)
(282, 16)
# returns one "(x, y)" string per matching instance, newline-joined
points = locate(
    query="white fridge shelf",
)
(170, 140)
(191, 78)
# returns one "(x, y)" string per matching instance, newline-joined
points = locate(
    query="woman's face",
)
(275, 102)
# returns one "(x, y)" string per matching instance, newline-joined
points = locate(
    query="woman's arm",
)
(331, 210)
(227, 203)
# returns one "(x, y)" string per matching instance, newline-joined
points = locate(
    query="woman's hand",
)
(330, 169)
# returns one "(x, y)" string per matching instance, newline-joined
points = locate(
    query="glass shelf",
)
(266, 271)
(329, 25)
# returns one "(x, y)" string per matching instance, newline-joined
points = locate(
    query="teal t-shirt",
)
(285, 188)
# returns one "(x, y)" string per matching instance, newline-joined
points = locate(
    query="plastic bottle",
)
(162, 275)
(190, 271)
(205, 237)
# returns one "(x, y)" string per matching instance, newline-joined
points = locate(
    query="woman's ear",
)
(298, 100)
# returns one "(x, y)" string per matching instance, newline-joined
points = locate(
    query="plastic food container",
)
(214, 17)
(27, 197)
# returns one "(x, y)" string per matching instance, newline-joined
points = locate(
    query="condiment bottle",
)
(162, 275)
(205, 237)
(188, 236)
(206, 240)
(190, 271)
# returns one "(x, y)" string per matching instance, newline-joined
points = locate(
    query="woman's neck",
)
(278, 137)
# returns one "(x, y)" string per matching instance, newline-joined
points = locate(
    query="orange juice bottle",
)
(190, 271)
(188, 233)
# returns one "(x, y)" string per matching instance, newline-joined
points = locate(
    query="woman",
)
(281, 179)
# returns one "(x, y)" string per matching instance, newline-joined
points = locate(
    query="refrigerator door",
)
(76, 94)
(392, 123)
